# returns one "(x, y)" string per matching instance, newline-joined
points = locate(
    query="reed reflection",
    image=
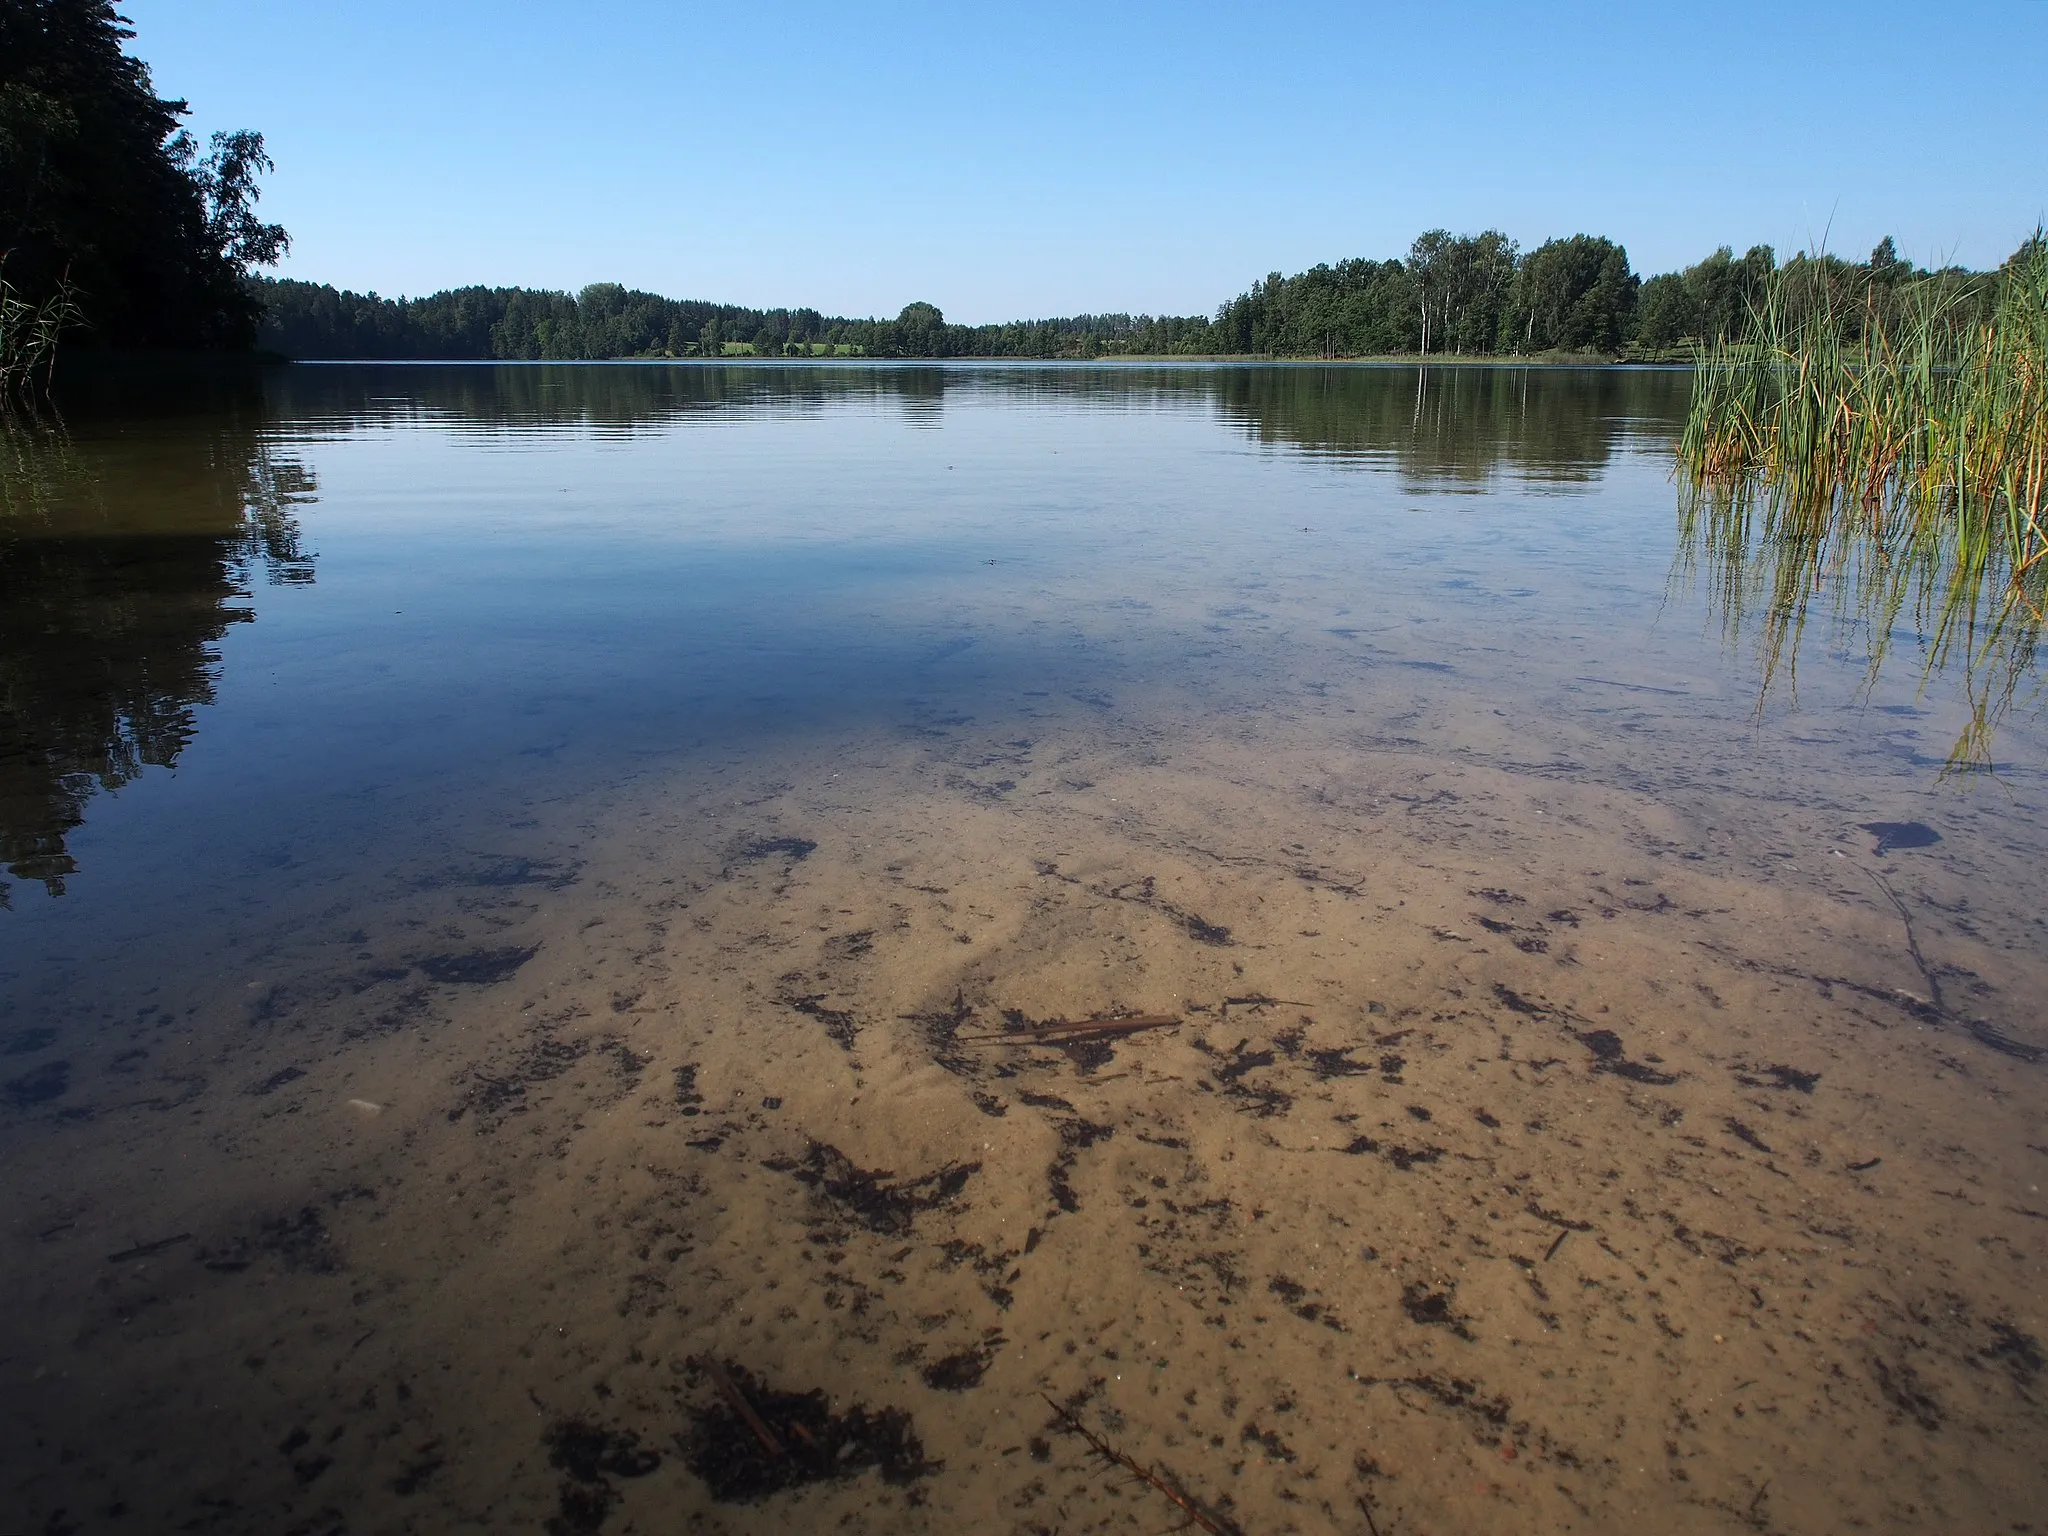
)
(1780, 577)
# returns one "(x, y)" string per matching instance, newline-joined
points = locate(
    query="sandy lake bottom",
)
(552, 1032)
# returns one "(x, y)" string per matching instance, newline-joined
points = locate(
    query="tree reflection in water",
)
(123, 560)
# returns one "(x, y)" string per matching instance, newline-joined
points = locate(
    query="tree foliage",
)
(1574, 295)
(1462, 284)
(100, 183)
(1709, 301)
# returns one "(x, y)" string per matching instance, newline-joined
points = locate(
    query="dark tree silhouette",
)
(100, 183)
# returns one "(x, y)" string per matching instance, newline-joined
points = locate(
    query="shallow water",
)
(507, 867)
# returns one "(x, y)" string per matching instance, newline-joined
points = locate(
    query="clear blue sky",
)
(1050, 158)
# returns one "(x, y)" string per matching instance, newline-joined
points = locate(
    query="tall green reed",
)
(29, 333)
(1884, 451)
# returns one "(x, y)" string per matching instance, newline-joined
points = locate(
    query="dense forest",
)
(1450, 296)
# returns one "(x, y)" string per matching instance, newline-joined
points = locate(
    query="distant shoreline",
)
(76, 362)
(1116, 360)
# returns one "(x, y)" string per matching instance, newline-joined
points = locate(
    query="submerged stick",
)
(1927, 972)
(1059, 1031)
(1214, 1524)
(1938, 1010)
(730, 1391)
(144, 1250)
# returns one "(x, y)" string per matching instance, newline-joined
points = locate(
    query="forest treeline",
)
(1450, 296)
(606, 320)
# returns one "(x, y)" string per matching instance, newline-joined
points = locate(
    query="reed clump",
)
(29, 332)
(1886, 449)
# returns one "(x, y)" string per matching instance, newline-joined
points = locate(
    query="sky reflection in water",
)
(459, 570)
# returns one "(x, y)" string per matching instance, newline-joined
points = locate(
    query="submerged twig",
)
(1064, 1031)
(1936, 1009)
(146, 1250)
(730, 1391)
(1927, 972)
(1197, 1514)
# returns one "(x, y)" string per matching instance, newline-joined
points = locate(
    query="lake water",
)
(518, 880)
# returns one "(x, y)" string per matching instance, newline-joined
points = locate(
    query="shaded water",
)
(507, 868)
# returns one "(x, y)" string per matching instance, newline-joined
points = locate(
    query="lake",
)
(644, 947)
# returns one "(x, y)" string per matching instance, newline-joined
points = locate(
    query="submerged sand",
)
(1535, 1151)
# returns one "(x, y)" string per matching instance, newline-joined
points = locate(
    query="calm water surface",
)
(509, 872)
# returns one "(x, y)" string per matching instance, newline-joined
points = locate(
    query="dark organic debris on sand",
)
(1432, 1308)
(300, 1243)
(589, 1457)
(1779, 1077)
(1744, 1134)
(1901, 1386)
(1076, 1136)
(964, 1368)
(1144, 892)
(479, 967)
(754, 850)
(543, 1061)
(1337, 1062)
(1514, 1002)
(688, 1099)
(1403, 1158)
(1260, 1100)
(1487, 1414)
(501, 872)
(52, 1080)
(839, 1023)
(150, 1249)
(755, 1439)
(2020, 1354)
(1611, 1057)
(1295, 1295)
(276, 1080)
(868, 1193)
